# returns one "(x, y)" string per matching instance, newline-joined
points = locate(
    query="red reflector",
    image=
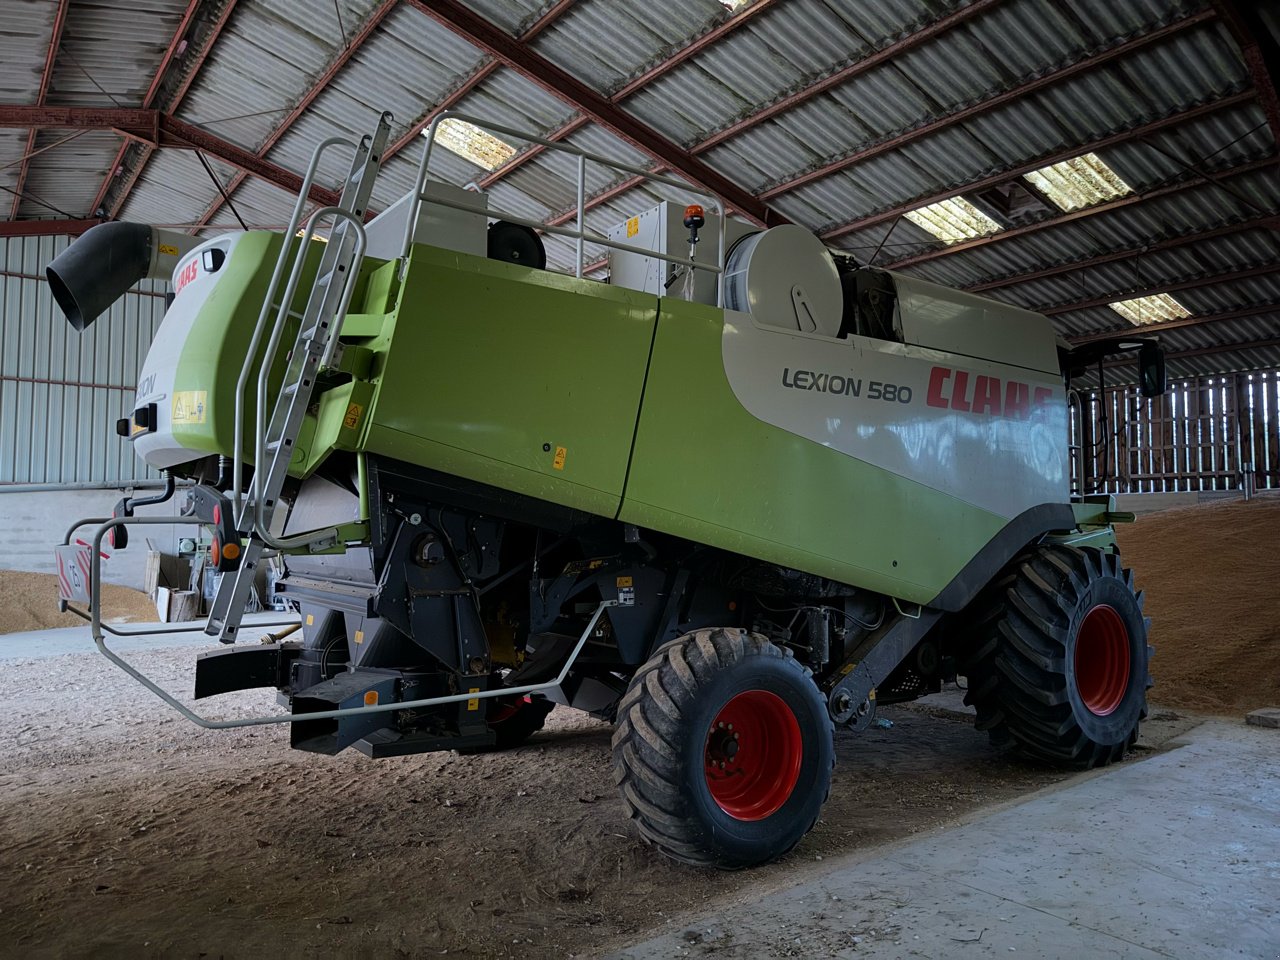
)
(216, 550)
(217, 513)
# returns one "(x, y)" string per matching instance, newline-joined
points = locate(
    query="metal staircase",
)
(313, 348)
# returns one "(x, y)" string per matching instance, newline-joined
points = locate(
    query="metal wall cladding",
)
(61, 392)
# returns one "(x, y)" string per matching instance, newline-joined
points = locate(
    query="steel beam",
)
(1259, 310)
(1169, 243)
(1011, 173)
(881, 56)
(160, 130)
(483, 34)
(117, 165)
(554, 13)
(1244, 347)
(197, 61)
(1261, 55)
(1066, 218)
(663, 67)
(1023, 90)
(46, 76)
(1171, 287)
(372, 22)
(45, 228)
(692, 48)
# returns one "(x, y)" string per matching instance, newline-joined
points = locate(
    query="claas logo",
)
(189, 273)
(956, 390)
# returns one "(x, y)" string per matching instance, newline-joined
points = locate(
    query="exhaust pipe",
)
(96, 270)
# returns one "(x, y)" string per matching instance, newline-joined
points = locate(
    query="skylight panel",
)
(733, 6)
(1148, 310)
(953, 220)
(1079, 182)
(471, 143)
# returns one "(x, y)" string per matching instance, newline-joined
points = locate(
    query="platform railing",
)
(99, 630)
(580, 234)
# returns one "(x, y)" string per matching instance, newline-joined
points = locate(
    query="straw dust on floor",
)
(1211, 574)
(29, 601)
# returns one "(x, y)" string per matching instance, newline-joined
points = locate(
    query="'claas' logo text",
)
(951, 389)
(186, 276)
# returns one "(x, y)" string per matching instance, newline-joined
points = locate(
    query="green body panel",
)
(489, 369)
(706, 469)
(213, 351)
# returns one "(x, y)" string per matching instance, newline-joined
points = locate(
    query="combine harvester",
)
(726, 502)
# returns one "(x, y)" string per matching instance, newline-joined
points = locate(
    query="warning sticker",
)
(359, 637)
(558, 461)
(474, 702)
(190, 406)
(633, 226)
(169, 250)
(352, 418)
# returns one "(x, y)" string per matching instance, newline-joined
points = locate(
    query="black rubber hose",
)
(96, 270)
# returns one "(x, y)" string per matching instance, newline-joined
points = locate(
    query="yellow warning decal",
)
(352, 419)
(310, 619)
(169, 250)
(624, 581)
(633, 226)
(190, 406)
(558, 461)
(359, 637)
(474, 702)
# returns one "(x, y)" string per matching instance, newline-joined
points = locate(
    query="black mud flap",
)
(354, 689)
(244, 668)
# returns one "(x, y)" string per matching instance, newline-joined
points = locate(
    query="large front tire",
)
(1058, 663)
(723, 749)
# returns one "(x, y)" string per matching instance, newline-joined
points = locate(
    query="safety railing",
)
(580, 234)
(98, 629)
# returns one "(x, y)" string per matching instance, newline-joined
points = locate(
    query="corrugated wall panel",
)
(61, 391)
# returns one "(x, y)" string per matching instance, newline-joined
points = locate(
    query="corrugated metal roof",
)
(272, 52)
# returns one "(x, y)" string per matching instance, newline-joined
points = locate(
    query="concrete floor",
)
(1177, 856)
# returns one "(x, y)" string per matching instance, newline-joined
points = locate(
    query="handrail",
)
(580, 234)
(348, 288)
(94, 616)
(294, 220)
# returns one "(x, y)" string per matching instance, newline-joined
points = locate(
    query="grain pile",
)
(29, 601)
(1211, 574)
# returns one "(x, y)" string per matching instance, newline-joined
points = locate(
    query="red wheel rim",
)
(1102, 660)
(753, 755)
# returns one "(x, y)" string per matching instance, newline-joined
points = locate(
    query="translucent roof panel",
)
(1149, 310)
(1079, 182)
(953, 220)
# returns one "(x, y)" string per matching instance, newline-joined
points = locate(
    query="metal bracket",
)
(851, 690)
(94, 616)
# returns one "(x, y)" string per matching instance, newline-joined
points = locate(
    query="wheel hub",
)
(753, 753)
(1102, 660)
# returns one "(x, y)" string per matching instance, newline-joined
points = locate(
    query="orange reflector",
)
(371, 698)
(230, 551)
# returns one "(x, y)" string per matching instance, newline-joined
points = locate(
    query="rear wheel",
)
(1058, 667)
(723, 749)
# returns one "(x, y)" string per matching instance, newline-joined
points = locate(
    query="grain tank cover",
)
(784, 277)
(957, 322)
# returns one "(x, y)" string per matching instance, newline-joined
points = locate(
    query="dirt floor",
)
(29, 601)
(1211, 574)
(126, 831)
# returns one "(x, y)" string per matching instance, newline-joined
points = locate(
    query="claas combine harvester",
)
(743, 493)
